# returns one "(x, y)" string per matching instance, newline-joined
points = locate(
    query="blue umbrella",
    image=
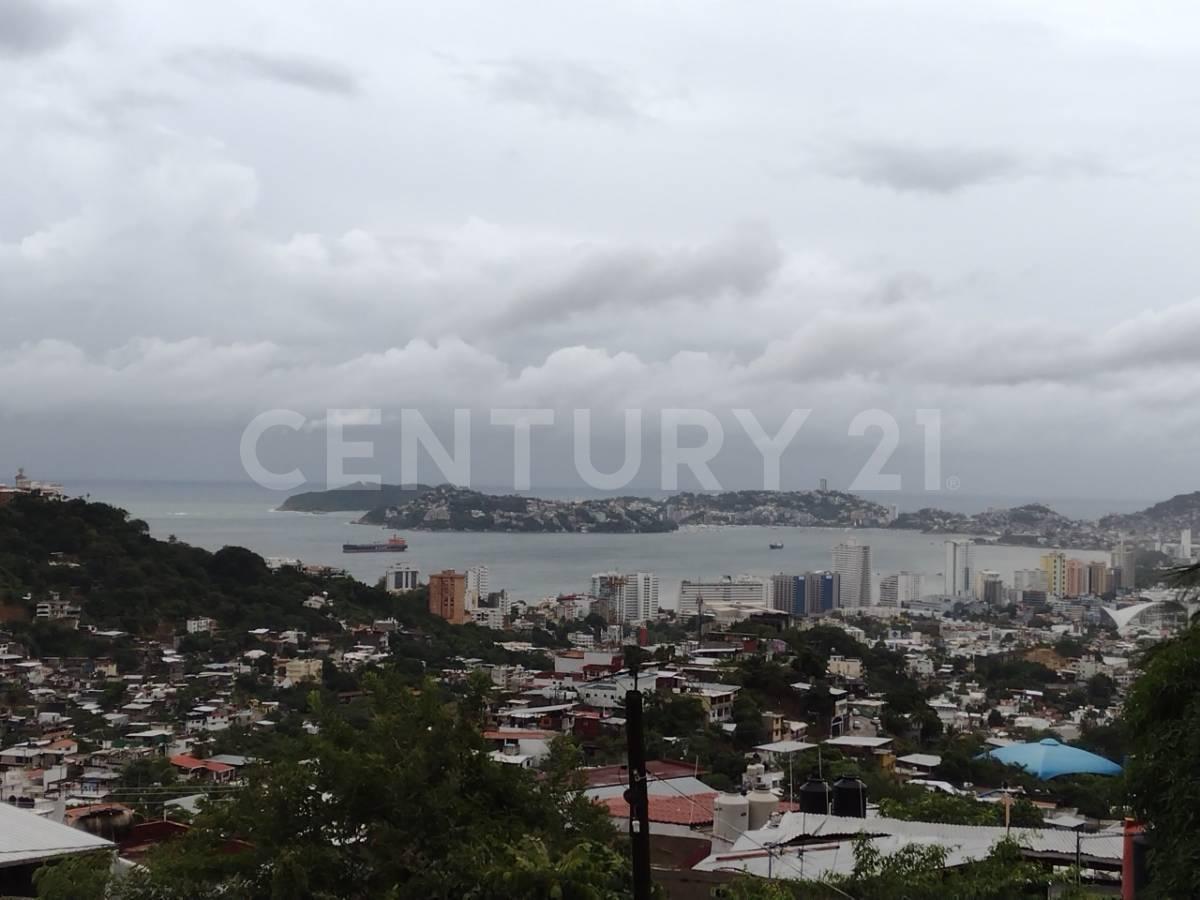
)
(1049, 759)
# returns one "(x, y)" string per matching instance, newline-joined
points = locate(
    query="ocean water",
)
(530, 566)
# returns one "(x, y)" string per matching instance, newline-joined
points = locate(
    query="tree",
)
(747, 888)
(917, 872)
(74, 878)
(749, 728)
(1101, 689)
(1162, 718)
(386, 807)
(674, 715)
(1070, 648)
(588, 871)
(934, 806)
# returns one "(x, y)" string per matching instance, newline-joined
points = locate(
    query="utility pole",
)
(636, 795)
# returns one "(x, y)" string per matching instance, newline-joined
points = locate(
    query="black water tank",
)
(814, 796)
(850, 797)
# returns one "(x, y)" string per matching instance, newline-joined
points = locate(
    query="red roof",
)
(602, 776)
(665, 768)
(190, 762)
(696, 809)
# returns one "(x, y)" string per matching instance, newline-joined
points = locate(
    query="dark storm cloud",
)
(559, 87)
(742, 264)
(307, 72)
(30, 27)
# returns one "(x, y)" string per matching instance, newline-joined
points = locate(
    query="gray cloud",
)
(524, 231)
(638, 277)
(294, 70)
(559, 87)
(937, 170)
(30, 27)
(949, 169)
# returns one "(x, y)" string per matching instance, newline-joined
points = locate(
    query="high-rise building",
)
(1185, 545)
(478, 586)
(606, 585)
(401, 578)
(1125, 559)
(960, 567)
(889, 590)
(824, 484)
(1029, 580)
(808, 594)
(852, 561)
(1054, 564)
(641, 597)
(989, 588)
(447, 593)
(1098, 579)
(783, 593)
(1076, 578)
(899, 589)
(820, 591)
(1032, 599)
(627, 597)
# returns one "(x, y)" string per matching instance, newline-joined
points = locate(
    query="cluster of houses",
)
(73, 726)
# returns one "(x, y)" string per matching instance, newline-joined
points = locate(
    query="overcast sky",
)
(212, 209)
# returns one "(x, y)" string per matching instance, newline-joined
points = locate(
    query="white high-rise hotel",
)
(852, 561)
(960, 568)
(641, 597)
(478, 586)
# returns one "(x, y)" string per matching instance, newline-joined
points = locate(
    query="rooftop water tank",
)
(850, 797)
(731, 816)
(815, 796)
(762, 804)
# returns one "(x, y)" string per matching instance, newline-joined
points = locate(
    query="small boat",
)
(775, 546)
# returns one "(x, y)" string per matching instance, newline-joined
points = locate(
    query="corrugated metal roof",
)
(26, 837)
(963, 843)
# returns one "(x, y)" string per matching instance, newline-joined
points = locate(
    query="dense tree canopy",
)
(1162, 716)
(406, 803)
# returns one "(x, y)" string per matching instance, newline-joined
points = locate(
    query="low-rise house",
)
(848, 669)
(917, 765)
(203, 769)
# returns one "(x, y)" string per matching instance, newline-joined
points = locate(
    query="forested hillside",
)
(121, 577)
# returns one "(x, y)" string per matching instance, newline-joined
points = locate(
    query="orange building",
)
(1076, 578)
(1099, 582)
(447, 596)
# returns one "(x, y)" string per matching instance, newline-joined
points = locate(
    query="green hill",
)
(357, 497)
(122, 578)
(97, 557)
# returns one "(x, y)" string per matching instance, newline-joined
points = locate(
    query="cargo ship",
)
(391, 545)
